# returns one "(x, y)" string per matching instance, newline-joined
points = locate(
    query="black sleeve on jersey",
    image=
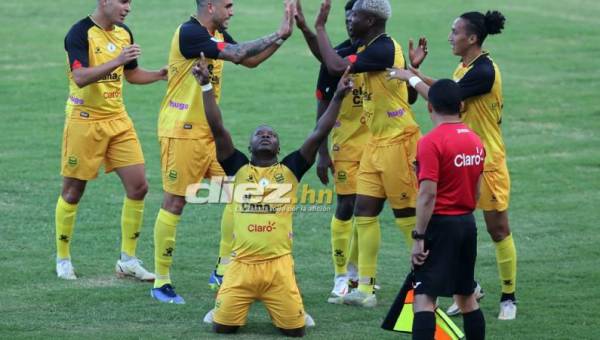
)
(228, 38)
(378, 56)
(326, 83)
(194, 39)
(234, 163)
(132, 65)
(297, 164)
(479, 79)
(77, 45)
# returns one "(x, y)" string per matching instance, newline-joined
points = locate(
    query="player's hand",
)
(323, 14)
(200, 71)
(399, 73)
(299, 16)
(418, 255)
(417, 55)
(345, 85)
(129, 54)
(164, 73)
(287, 24)
(324, 163)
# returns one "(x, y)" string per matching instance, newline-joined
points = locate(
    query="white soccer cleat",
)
(133, 268)
(208, 318)
(358, 298)
(340, 289)
(508, 310)
(65, 270)
(308, 320)
(454, 310)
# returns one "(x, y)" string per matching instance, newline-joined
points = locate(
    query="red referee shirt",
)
(452, 156)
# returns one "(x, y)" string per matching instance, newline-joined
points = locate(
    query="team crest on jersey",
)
(172, 175)
(111, 47)
(98, 50)
(73, 161)
(336, 147)
(342, 176)
(264, 182)
(279, 178)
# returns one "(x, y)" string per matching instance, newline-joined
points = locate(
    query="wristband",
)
(207, 87)
(414, 81)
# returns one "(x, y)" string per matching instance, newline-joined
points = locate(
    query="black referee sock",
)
(474, 324)
(423, 326)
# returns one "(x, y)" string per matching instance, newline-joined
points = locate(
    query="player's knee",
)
(345, 207)
(224, 329)
(173, 204)
(467, 303)
(498, 231)
(138, 191)
(72, 193)
(295, 333)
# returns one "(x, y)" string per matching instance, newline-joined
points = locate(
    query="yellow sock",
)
(226, 243)
(65, 221)
(164, 245)
(341, 231)
(506, 257)
(369, 238)
(406, 225)
(131, 224)
(353, 257)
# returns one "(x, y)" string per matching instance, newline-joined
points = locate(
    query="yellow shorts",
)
(273, 282)
(495, 190)
(186, 161)
(346, 173)
(89, 144)
(387, 171)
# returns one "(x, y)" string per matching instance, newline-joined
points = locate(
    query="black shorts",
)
(450, 266)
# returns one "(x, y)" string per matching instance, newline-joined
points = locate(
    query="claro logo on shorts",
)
(262, 228)
(462, 160)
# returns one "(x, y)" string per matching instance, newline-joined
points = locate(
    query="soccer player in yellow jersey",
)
(100, 53)
(262, 267)
(187, 145)
(386, 167)
(349, 137)
(481, 85)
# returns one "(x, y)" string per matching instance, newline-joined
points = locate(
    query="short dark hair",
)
(492, 22)
(445, 97)
(349, 5)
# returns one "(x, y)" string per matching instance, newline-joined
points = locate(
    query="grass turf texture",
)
(550, 126)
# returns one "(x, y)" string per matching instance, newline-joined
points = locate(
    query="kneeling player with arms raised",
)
(262, 266)
(450, 162)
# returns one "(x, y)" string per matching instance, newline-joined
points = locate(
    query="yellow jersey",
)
(264, 201)
(385, 102)
(89, 45)
(481, 89)
(182, 110)
(350, 133)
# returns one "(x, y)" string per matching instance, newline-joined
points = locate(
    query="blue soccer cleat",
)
(215, 280)
(167, 294)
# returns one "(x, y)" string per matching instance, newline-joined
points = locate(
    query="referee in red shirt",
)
(449, 165)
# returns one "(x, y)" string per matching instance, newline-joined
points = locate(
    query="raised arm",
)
(327, 121)
(309, 36)
(253, 53)
(335, 64)
(415, 80)
(223, 141)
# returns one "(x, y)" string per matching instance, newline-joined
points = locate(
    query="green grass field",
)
(548, 56)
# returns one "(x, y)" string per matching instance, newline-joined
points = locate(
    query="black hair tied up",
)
(482, 25)
(494, 22)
